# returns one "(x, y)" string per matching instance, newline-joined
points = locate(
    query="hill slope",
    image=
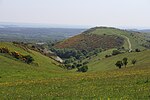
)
(105, 38)
(100, 63)
(13, 69)
(47, 81)
(91, 42)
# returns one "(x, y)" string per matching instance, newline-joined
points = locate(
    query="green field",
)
(103, 81)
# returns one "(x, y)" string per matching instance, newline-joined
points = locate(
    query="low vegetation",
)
(25, 58)
(90, 42)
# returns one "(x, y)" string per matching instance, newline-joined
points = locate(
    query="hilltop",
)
(105, 38)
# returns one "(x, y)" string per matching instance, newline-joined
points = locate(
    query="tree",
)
(106, 56)
(83, 69)
(85, 63)
(68, 66)
(119, 64)
(125, 61)
(134, 61)
(79, 65)
(137, 50)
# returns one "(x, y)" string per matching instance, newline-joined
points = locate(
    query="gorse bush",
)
(26, 58)
(16, 55)
(4, 50)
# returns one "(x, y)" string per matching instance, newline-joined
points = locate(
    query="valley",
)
(88, 70)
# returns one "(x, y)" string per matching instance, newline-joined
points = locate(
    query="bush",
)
(4, 50)
(125, 61)
(16, 55)
(28, 59)
(137, 50)
(79, 65)
(116, 52)
(134, 61)
(68, 66)
(86, 62)
(119, 64)
(107, 56)
(83, 69)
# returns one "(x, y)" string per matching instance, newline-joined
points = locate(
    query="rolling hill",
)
(12, 69)
(45, 79)
(91, 42)
(48, 81)
(31, 34)
(105, 38)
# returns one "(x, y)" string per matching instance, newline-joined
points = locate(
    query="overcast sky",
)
(116, 13)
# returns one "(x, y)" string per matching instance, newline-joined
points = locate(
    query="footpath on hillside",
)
(129, 43)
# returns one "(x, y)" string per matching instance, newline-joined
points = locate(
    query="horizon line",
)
(48, 25)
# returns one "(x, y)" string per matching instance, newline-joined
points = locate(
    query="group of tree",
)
(124, 62)
(25, 58)
(74, 58)
(81, 67)
(75, 54)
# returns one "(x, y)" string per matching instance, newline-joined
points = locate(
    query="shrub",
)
(79, 65)
(134, 61)
(125, 61)
(83, 69)
(119, 64)
(86, 62)
(137, 50)
(106, 56)
(4, 50)
(68, 66)
(67, 61)
(28, 59)
(16, 55)
(116, 52)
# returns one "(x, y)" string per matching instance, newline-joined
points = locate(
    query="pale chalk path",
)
(129, 43)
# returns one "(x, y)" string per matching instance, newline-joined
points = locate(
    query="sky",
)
(113, 13)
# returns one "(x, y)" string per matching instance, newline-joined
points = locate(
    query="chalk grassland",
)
(12, 69)
(136, 38)
(48, 81)
(130, 83)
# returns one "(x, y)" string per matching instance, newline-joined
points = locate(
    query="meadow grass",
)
(103, 81)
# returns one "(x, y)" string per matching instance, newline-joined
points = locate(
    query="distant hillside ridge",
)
(105, 38)
(91, 41)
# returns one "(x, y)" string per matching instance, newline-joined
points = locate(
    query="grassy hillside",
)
(44, 79)
(136, 38)
(100, 63)
(90, 42)
(12, 69)
(101, 37)
(131, 83)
